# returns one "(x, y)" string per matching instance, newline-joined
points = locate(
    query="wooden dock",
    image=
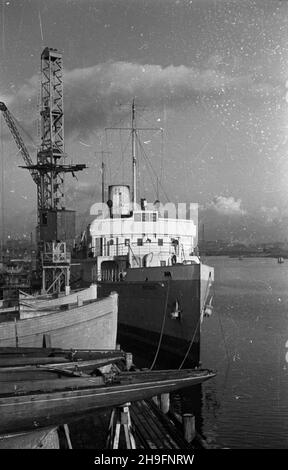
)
(150, 428)
(153, 429)
(144, 424)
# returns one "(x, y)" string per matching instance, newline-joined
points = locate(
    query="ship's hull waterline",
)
(162, 318)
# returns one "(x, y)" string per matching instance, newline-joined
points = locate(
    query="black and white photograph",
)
(143, 228)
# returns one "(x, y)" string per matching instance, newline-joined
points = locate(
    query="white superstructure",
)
(142, 238)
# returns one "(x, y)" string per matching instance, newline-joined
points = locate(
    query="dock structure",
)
(153, 429)
(144, 427)
(144, 423)
(121, 421)
(39, 439)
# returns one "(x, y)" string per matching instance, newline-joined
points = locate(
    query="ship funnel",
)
(143, 204)
(119, 197)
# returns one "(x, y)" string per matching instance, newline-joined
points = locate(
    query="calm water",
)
(246, 405)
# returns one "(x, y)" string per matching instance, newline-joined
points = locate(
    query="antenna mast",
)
(134, 170)
(103, 173)
(2, 196)
(134, 130)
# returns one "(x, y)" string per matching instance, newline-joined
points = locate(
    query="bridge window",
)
(137, 217)
(140, 241)
(160, 241)
(127, 241)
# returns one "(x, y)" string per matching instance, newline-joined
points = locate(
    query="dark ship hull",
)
(160, 312)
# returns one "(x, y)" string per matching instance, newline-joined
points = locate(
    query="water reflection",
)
(246, 342)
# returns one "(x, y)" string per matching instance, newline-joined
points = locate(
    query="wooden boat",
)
(15, 360)
(36, 302)
(19, 359)
(92, 325)
(27, 302)
(32, 399)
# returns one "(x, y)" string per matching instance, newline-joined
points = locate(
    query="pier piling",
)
(189, 426)
(165, 402)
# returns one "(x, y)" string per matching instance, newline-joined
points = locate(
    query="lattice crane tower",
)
(56, 225)
(54, 221)
(51, 154)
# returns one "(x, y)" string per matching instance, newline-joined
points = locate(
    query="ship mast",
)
(134, 170)
(133, 129)
(103, 180)
(103, 173)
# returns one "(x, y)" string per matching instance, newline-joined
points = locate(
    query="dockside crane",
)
(55, 224)
(10, 121)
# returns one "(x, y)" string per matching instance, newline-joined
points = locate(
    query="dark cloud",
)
(92, 95)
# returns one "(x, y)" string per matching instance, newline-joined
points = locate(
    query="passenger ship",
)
(148, 255)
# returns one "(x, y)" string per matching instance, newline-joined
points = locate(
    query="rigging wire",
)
(139, 179)
(107, 146)
(161, 163)
(2, 191)
(162, 326)
(122, 159)
(190, 344)
(152, 168)
(158, 180)
(199, 320)
(151, 174)
(122, 156)
(154, 173)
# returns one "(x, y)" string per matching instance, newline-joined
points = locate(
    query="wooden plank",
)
(24, 361)
(22, 387)
(9, 374)
(157, 426)
(170, 429)
(141, 428)
(17, 363)
(153, 440)
(11, 351)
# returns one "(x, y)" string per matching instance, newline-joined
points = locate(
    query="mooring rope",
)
(190, 345)
(162, 327)
(198, 323)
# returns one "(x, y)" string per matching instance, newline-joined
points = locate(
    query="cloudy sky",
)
(212, 74)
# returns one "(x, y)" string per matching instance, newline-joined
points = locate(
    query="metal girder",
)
(10, 121)
(51, 153)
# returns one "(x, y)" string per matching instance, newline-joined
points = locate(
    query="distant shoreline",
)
(246, 255)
